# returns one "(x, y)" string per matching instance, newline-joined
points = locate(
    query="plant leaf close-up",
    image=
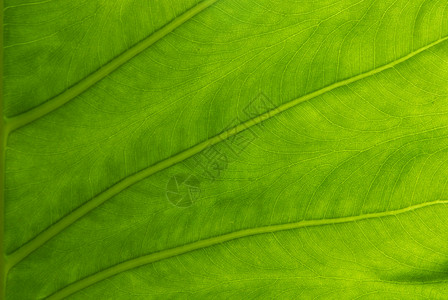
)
(224, 149)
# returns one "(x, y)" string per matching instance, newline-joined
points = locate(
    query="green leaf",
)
(225, 149)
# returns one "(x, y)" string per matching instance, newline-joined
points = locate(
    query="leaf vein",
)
(83, 85)
(118, 187)
(217, 240)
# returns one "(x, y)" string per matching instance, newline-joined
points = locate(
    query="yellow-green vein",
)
(80, 87)
(154, 257)
(72, 217)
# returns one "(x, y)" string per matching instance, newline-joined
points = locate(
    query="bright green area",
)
(114, 109)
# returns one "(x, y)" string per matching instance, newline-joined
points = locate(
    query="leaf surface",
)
(225, 149)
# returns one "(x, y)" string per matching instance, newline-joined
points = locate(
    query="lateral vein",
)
(34, 244)
(205, 243)
(83, 85)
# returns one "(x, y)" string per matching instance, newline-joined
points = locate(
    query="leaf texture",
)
(225, 149)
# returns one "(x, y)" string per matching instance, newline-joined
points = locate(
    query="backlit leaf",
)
(225, 149)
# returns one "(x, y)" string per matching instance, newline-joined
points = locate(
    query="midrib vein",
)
(83, 85)
(201, 244)
(3, 141)
(81, 211)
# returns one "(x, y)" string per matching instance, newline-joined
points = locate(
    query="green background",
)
(340, 194)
